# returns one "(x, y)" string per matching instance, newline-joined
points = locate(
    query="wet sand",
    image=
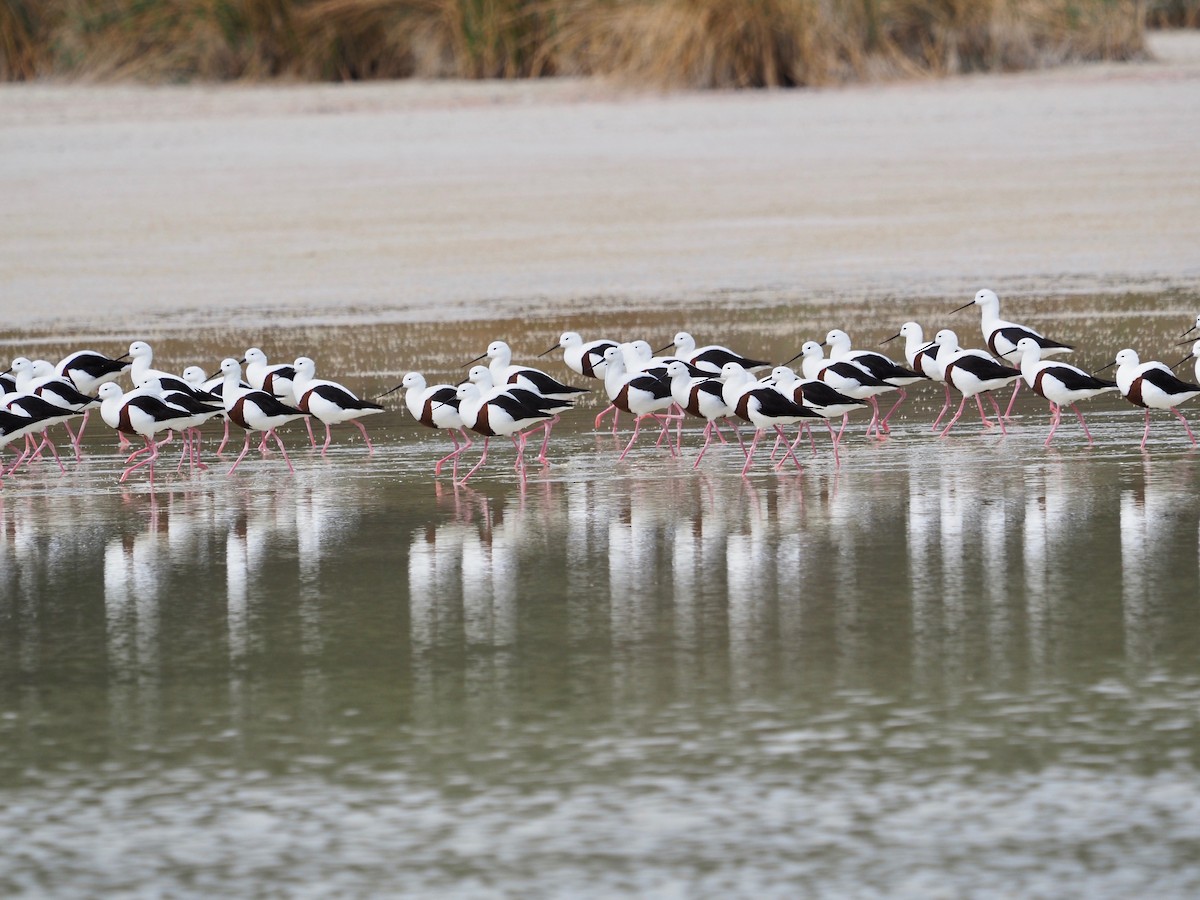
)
(432, 201)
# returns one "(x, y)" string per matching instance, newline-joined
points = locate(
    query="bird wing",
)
(1074, 379)
(1164, 379)
(719, 356)
(545, 384)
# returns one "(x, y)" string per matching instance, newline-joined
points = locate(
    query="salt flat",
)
(432, 200)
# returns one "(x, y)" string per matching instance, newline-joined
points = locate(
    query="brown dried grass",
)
(692, 43)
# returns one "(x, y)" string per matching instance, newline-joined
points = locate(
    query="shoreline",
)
(471, 199)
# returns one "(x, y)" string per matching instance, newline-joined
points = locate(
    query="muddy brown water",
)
(966, 667)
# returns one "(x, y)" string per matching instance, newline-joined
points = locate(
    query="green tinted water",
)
(966, 667)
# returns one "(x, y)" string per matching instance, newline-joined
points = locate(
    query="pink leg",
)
(224, 439)
(546, 440)
(895, 406)
(600, 418)
(46, 442)
(1056, 417)
(873, 425)
(312, 441)
(637, 424)
(82, 426)
(20, 457)
(196, 442)
(482, 460)
(775, 446)
(1013, 398)
(982, 417)
(1146, 433)
(750, 452)
(518, 441)
(708, 433)
(153, 449)
(279, 441)
(185, 453)
(788, 452)
(945, 406)
(328, 438)
(717, 429)
(1079, 415)
(665, 434)
(996, 407)
(241, 456)
(74, 440)
(366, 440)
(842, 430)
(1186, 426)
(738, 434)
(437, 468)
(956, 417)
(833, 438)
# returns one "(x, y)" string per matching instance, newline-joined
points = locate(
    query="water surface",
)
(959, 668)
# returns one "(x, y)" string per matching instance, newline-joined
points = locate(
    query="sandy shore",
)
(431, 200)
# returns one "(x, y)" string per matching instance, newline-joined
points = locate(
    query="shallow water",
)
(957, 668)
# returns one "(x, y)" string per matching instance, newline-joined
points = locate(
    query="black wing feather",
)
(654, 385)
(1167, 383)
(984, 369)
(716, 356)
(156, 408)
(1014, 333)
(883, 368)
(545, 383)
(849, 370)
(773, 403)
(271, 405)
(1074, 379)
(95, 365)
(342, 397)
(818, 393)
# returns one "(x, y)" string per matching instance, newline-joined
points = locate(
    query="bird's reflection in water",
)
(925, 574)
(751, 587)
(134, 571)
(998, 610)
(1151, 538)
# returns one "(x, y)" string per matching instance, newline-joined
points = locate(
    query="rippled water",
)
(959, 668)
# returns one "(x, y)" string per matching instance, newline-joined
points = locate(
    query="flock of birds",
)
(712, 383)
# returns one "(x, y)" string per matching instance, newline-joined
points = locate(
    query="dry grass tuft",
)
(693, 43)
(1173, 14)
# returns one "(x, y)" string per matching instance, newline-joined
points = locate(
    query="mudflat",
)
(133, 204)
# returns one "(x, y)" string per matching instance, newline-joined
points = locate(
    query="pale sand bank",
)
(447, 199)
